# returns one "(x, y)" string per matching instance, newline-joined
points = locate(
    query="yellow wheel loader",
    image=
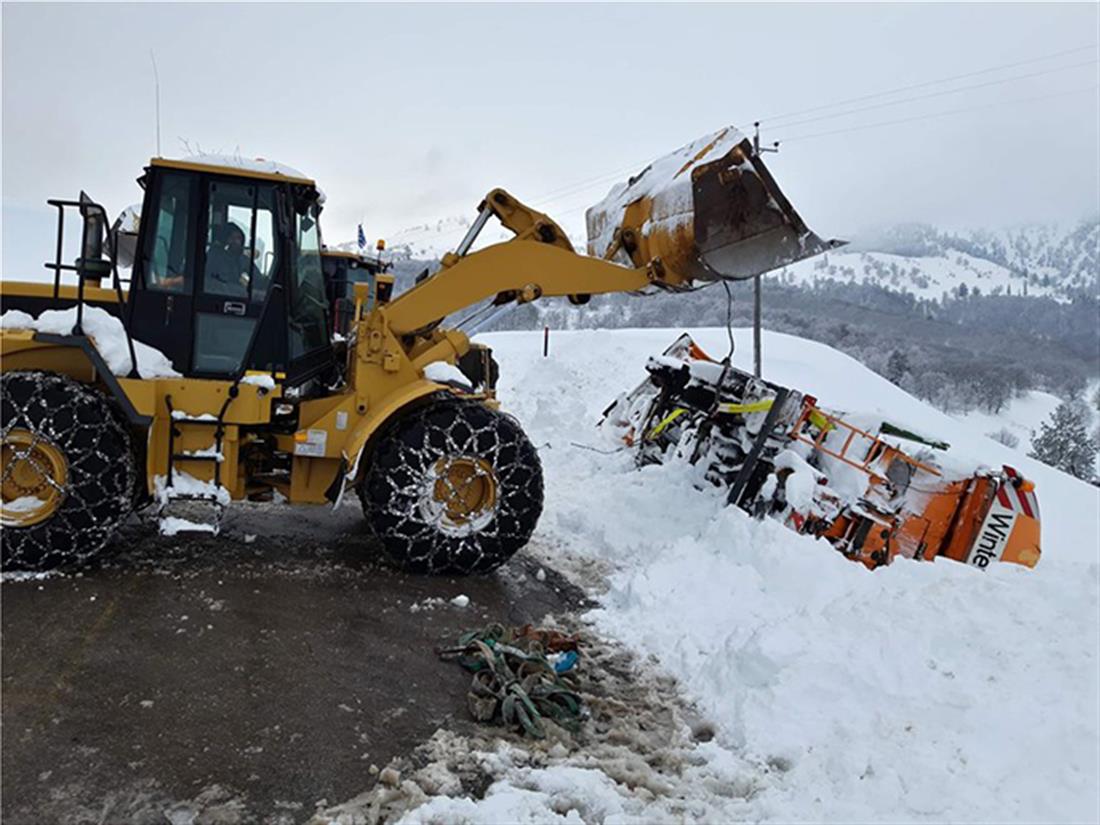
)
(343, 270)
(214, 375)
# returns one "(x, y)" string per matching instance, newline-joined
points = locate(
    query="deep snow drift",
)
(922, 691)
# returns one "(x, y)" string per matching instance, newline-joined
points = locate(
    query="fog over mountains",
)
(1059, 261)
(967, 319)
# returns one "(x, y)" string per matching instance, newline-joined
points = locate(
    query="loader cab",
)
(227, 273)
(343, 270)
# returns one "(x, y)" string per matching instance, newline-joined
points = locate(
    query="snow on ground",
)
(1022, 417)
(919, 692)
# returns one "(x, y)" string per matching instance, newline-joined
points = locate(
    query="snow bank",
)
(558, 794)
(106, 332)
(919, 692)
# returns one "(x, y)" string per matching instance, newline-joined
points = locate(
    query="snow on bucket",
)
(708, 211)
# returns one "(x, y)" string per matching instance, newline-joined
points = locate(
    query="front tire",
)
(453, 487)
(67, 470)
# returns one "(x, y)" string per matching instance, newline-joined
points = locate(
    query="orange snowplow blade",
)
(711, 210)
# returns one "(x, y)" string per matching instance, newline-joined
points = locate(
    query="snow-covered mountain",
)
(1056, 261)
(1059, 261)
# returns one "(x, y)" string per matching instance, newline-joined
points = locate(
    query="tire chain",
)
(395, 483)
(98, 493)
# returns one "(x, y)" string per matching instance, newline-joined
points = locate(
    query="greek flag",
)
(362, 239)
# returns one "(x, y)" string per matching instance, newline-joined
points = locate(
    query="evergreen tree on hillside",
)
(1064, 441)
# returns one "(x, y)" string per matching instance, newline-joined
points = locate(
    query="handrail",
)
(819, 443)
(247, 359)
(122, 308)
(86, 206)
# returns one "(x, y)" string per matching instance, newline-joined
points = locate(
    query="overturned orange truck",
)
(872, 489)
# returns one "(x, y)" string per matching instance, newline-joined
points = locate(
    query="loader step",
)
(211, 499)
(177, 418)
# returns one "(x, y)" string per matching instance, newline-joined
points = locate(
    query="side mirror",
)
(95, 224)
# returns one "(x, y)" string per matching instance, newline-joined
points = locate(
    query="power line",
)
(940, 93)
(573, 210)
(928, 83)
(556, 195)
(939, 114)
(568, 189)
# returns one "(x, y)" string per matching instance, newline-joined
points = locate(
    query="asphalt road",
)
(241, 678)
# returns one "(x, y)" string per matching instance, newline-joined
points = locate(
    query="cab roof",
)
(243, 167)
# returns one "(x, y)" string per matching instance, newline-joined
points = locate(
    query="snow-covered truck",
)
(873, 489)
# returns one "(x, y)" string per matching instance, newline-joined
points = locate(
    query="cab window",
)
(308, 307)
(239, 262)
(240, 246)
(170, 266)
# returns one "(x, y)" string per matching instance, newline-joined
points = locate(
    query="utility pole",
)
(756, 325)
(756, 354)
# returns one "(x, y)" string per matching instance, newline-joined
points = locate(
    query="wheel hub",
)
(33, 478)
(459, 494)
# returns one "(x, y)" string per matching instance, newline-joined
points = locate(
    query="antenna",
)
(156, 87)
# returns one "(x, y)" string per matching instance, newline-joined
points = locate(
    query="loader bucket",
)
(709, 211)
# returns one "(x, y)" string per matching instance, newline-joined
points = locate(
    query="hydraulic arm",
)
(709, 211)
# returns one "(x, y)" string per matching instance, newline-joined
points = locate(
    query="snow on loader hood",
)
(710, 210)
(106, 332)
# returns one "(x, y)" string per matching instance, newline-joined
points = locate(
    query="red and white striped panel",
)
(1011, 496)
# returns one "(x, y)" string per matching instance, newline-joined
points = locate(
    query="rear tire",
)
(453, 488)
(64, 447)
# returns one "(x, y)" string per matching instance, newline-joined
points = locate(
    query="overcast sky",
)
(405, 114)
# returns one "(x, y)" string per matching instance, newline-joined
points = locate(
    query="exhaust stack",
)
(708, 211)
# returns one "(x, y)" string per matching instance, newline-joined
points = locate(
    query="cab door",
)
(241, 257)
(162, 288)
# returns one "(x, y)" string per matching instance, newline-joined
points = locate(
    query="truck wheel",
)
(453, 487)
(66, 470)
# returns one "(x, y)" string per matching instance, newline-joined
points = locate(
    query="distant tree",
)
(1005, 436)
(1074, 388)
(1064, 442)
(897, 365)
(935, 386)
